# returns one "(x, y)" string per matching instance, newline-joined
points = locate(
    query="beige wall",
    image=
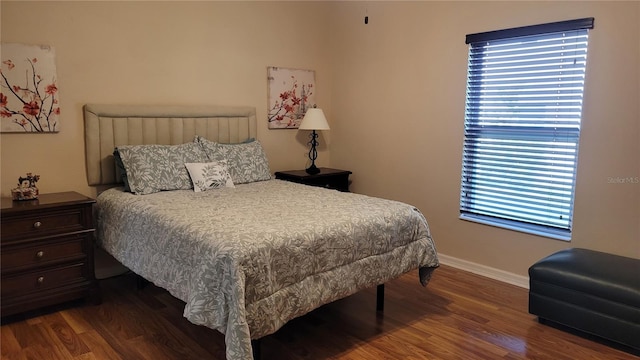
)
(393, 91)
(398, 104)
(161, 53)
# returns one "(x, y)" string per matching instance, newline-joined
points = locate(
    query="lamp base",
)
(312, 170)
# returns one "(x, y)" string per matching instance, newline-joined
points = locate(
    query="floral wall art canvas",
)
(291, 93)
(29, 90)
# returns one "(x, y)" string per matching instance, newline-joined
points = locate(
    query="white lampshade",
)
(314, 120)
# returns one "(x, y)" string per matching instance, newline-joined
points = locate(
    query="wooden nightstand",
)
(46, 249)
(328, 178)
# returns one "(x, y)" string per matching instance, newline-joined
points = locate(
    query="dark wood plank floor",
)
(458, 316)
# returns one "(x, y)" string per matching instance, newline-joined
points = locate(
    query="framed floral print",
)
(291, 93)
(29, 91)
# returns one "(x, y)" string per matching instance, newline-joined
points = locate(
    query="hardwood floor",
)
(459, 315)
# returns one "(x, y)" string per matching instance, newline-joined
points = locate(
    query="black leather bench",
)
(591, 291)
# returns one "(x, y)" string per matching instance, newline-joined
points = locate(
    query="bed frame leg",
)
(255, 346)
(380, 298)
(141, 282)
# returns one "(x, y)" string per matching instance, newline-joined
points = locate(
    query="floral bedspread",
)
(246, 260)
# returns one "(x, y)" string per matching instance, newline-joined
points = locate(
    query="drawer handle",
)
(40, 280)
(40, 254)
(37, 224)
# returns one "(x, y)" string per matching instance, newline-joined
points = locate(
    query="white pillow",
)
(211, 175)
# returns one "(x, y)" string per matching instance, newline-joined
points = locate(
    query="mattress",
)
(246, 260)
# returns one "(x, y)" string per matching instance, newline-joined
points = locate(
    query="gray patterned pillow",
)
(247, 162)
(121, 172)
(213, 150)
(153, 168)
(211, 175)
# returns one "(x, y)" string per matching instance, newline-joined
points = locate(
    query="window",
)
(522, 126)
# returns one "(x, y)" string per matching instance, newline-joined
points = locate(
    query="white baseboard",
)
(486, 271)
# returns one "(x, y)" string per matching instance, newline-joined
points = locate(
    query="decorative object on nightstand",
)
(46, 249)
(26, 189)
(326, 177)
(313, 120)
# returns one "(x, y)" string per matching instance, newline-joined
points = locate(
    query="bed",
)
(252, 252)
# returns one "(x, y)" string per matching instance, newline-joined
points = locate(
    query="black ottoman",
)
(590, 291)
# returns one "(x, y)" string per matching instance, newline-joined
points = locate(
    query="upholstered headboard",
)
(108, 126)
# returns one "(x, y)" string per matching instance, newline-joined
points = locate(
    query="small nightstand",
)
(328, 178)
(46, 249)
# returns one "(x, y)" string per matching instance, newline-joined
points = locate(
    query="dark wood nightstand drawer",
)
(326, 178)
(46, 251)
(40, 254)
(42, 280)
(337, 182)
(42, 224)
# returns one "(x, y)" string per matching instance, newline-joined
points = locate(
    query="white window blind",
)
(522, 126)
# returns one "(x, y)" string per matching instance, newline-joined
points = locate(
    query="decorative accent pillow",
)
(247, 162)
(154, 168)
(211, 175)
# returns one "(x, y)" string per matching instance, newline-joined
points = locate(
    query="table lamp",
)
(313, 120)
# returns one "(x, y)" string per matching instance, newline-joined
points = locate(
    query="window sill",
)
(557, 234)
